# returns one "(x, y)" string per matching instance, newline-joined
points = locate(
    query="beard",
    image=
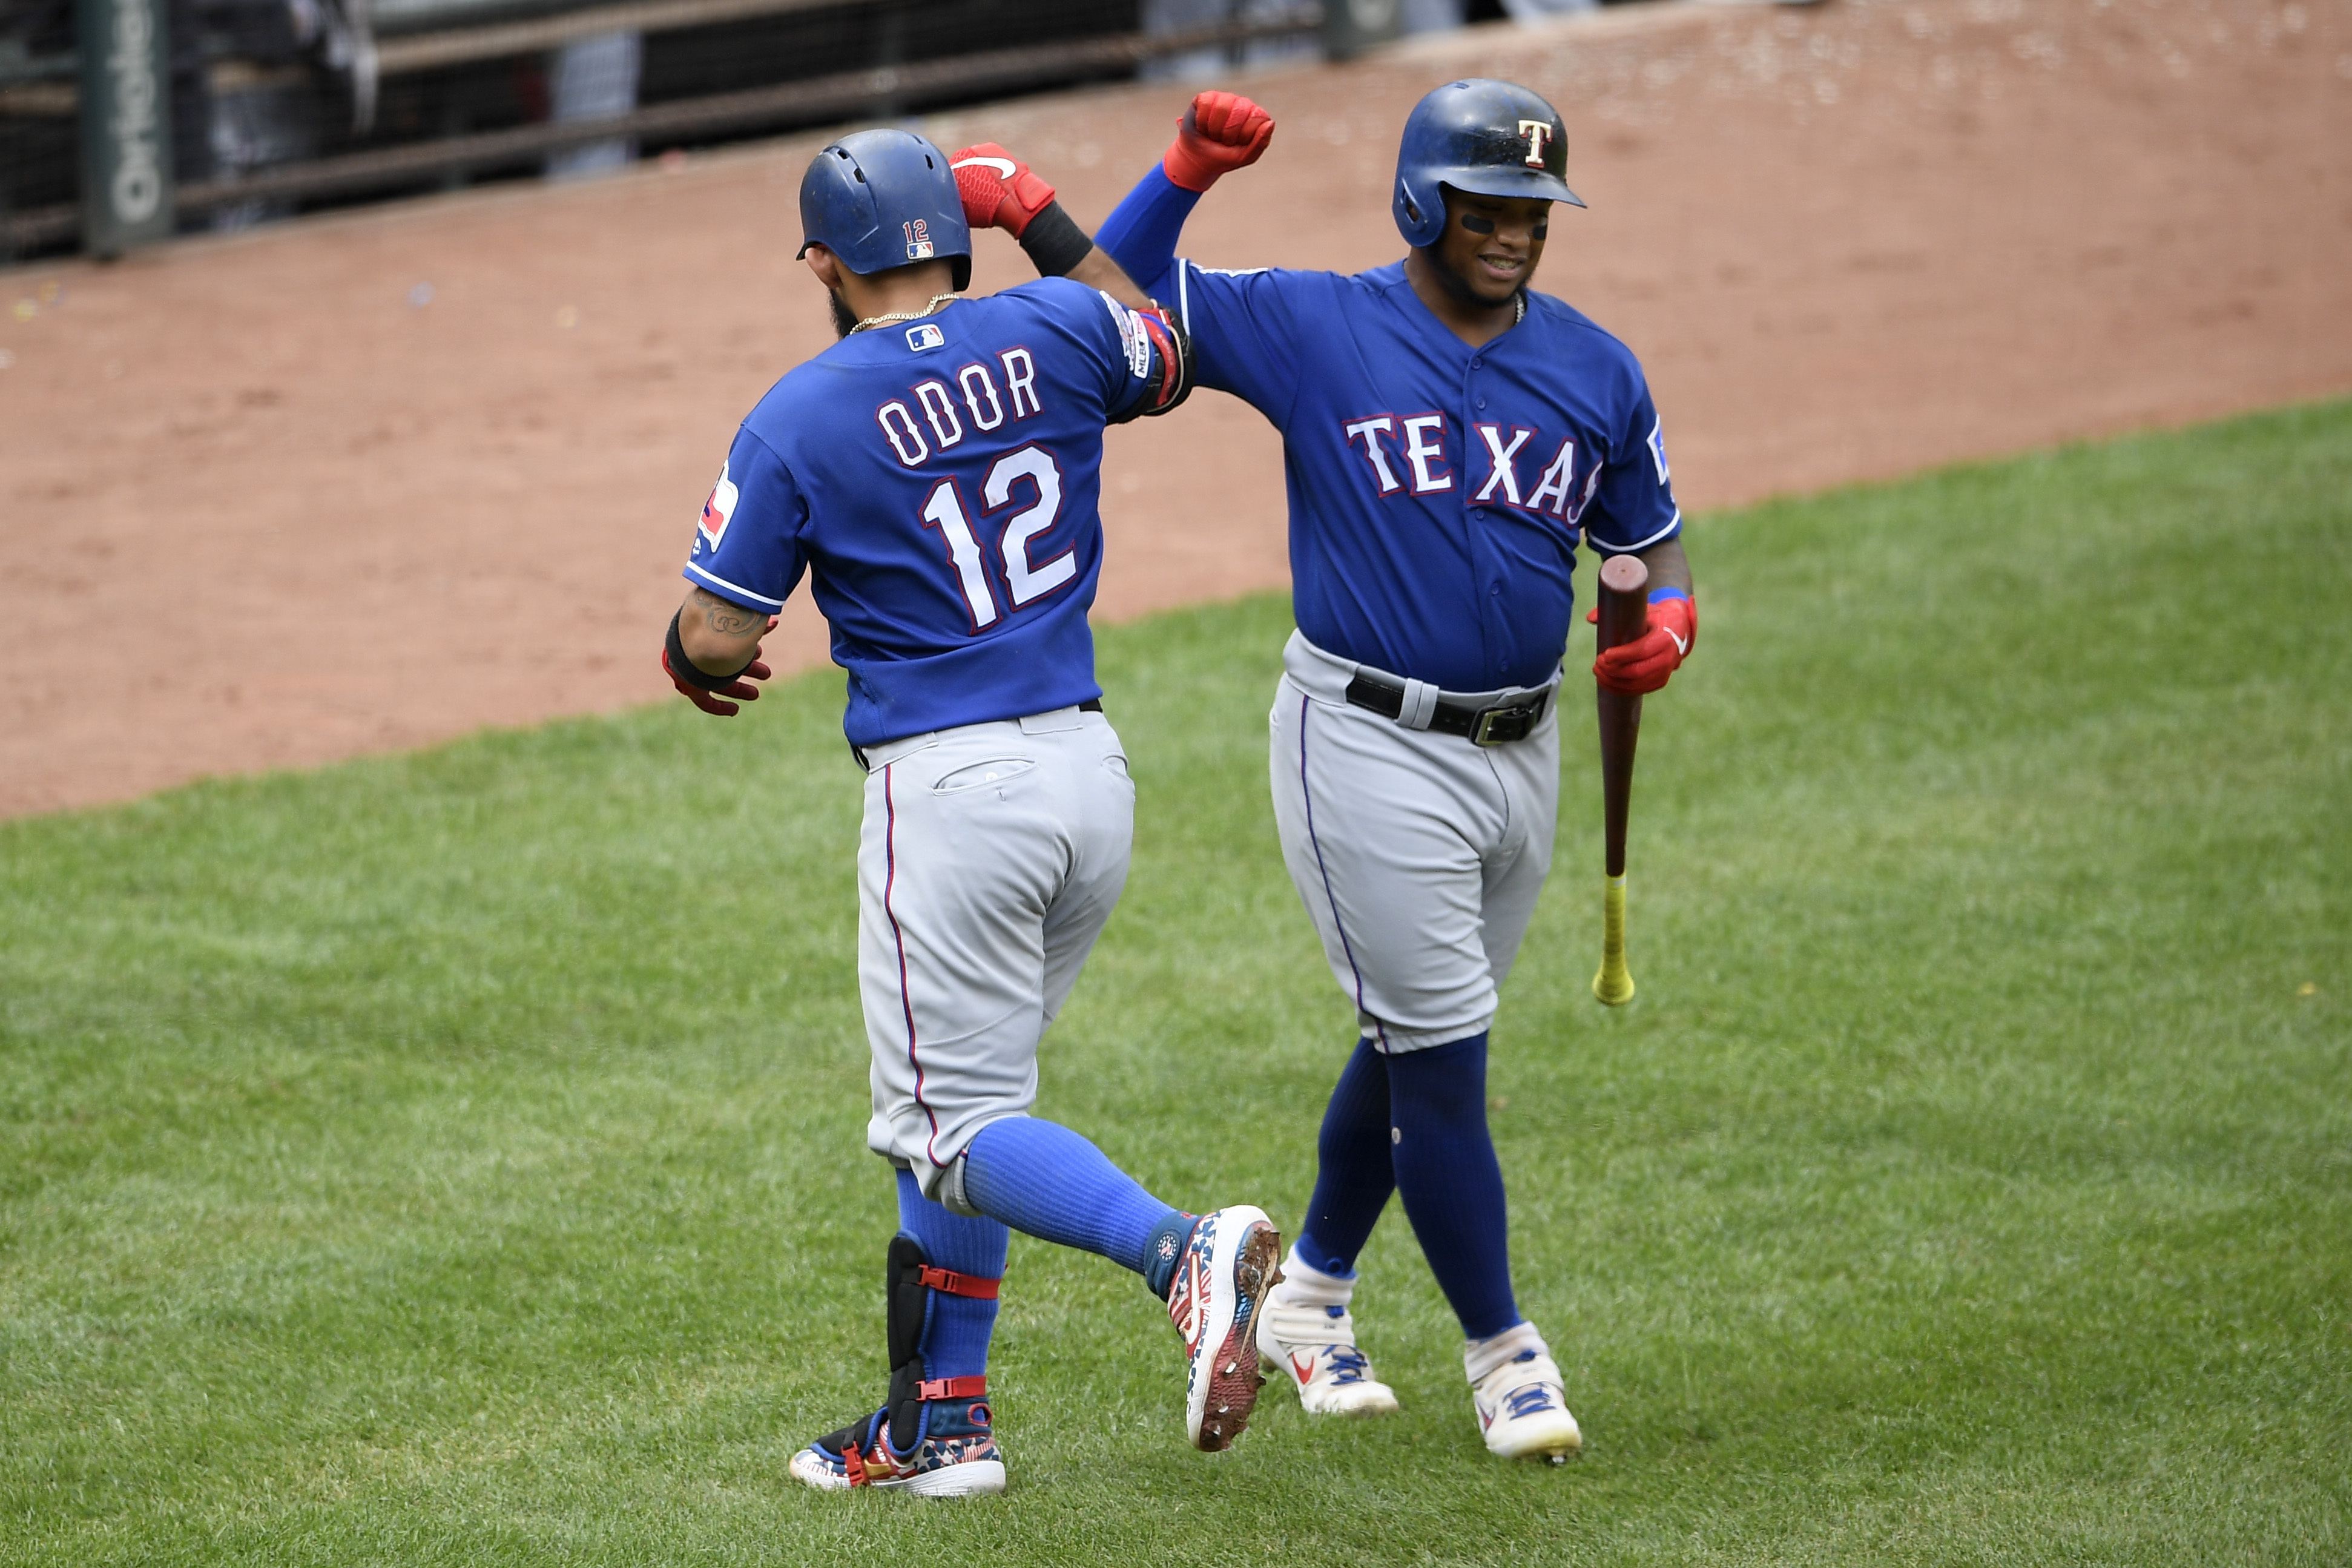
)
(1459, 288)
(843, 323)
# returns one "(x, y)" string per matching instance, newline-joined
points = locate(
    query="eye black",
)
(1543, 229)
(1477, 225)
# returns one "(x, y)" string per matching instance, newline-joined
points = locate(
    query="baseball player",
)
(935, 474)
(1450, 436)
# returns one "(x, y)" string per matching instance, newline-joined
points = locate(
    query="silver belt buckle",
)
(1482, 732)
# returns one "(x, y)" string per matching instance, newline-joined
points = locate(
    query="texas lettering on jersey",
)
(1438, 491)
(938, 485)
(1416, 450)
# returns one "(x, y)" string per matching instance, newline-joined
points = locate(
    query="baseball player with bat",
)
(935, 474)
(1449, 438)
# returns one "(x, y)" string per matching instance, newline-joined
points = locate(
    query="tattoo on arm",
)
(727, 620)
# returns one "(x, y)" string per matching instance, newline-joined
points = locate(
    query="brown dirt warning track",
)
(257, 508)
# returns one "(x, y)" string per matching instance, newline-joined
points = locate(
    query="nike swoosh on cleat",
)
(1303, 1367)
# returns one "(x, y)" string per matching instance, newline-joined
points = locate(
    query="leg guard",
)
(911, 1279)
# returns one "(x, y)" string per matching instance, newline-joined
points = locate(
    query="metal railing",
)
(808, 102)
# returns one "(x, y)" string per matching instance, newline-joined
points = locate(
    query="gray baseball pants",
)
(990, 858)
(1419, 856)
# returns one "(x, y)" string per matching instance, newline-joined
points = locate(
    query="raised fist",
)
(1647, 662)
(997, 188)
(1221, 133)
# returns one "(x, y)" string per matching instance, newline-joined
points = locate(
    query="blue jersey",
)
(938, 481)
(1437, 491)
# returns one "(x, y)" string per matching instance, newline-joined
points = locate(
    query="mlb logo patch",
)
(918, 239)
(717, 510)
(923, 336)
(1132, 340)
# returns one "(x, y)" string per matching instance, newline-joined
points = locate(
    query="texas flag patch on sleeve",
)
(717, 510)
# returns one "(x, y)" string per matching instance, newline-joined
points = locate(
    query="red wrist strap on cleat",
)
(954, 1387)
(954, 1284)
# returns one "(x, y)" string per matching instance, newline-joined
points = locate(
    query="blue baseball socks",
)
(1046, 1180)
(956, 1328)
(1416, 1122)
(1353, 1172)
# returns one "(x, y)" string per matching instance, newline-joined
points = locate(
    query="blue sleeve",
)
(1240, 323)
(747, 547)
(1141, 231)
(1634, 506)
(1124, 364)
(1245, 332)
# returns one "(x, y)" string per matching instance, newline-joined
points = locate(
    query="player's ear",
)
(823, 263)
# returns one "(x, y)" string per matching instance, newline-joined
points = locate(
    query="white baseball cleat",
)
(1305, 1330)
(1522, 1404)
(1221, 1282)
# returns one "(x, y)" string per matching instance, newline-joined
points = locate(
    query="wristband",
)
(1660, 595)
(1055, 241)
(686, 669)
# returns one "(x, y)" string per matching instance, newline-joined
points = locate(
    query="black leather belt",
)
(1494, 726)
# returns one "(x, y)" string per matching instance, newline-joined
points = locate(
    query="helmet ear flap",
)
(1420, 216)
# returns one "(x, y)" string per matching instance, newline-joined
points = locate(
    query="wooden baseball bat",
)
(1624, 616)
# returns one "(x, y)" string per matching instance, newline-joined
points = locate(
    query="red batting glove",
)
(997, 188)
(1644, 665)
(1221, 133)
(712, 703)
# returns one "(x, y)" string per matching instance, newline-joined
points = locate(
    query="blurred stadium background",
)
(283, 105)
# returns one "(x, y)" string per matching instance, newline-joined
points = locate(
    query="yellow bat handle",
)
(1613, 985)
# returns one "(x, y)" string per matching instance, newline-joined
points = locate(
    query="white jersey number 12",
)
(1024, 582)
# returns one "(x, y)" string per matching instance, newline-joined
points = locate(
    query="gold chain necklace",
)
(938, 301)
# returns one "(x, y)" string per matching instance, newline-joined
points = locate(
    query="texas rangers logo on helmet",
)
(716, 510)
(1537, 134)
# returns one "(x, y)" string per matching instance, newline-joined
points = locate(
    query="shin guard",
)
(910, 1280)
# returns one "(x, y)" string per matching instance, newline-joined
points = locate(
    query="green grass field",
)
(457, 1158)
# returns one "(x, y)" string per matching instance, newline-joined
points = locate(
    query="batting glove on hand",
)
(712, 702)
(1646, 663)
(1221, 133)
(997, 189)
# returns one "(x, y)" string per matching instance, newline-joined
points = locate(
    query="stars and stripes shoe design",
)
(1228, 1266)
(1521, 1402)
(1305, 1330)
(955, 1454)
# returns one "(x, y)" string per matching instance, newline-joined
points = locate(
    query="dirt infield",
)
(372, 481)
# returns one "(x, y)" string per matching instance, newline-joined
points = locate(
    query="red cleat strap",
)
(955, 1284)
(955, 1387)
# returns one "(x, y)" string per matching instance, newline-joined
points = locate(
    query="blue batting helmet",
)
(1489, 138)
(879, 199)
